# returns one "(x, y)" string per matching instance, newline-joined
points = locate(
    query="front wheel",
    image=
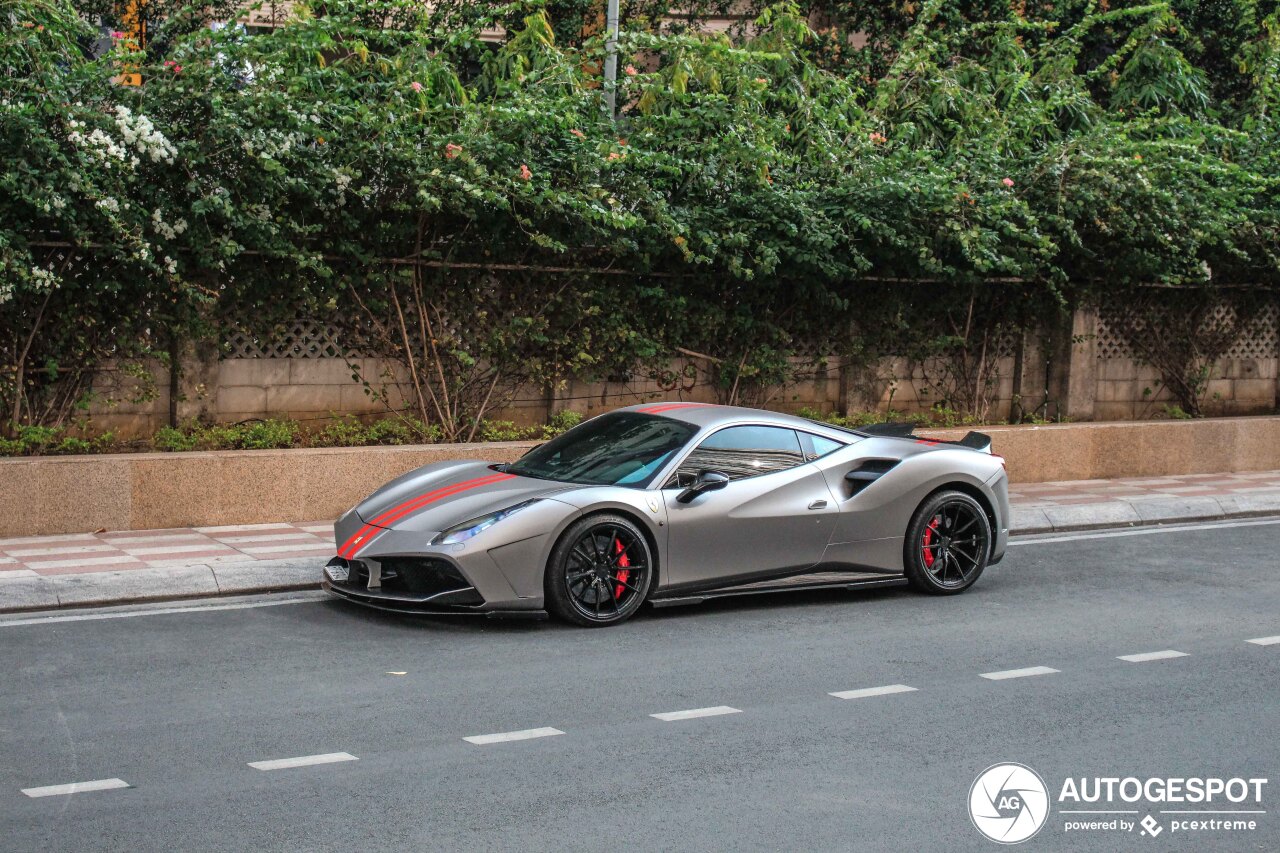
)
(599, 572)
(948, 544)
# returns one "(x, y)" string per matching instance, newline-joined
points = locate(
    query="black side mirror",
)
(708, 481)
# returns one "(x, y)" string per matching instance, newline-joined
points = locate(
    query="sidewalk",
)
(40, 572)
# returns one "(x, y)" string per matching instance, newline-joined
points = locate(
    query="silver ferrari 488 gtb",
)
(675, 503)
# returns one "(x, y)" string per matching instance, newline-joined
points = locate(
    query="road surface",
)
(402, 728)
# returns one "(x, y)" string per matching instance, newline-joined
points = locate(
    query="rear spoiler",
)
(978, 441)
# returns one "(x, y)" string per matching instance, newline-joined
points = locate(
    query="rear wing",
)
(978, 441)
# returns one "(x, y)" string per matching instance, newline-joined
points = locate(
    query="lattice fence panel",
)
(1260, 339)
(1006, 341)
(1263, 339)
(303, 337)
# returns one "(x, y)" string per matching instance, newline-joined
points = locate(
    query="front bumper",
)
(410, 585)
(427, 584)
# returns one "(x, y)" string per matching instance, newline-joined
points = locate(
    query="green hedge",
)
(270, 434)
(475, 206)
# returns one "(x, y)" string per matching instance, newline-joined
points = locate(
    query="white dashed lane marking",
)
(672, 716)
(1019, 673)
(866, 692)
(1143, 657)
(1265, 641)
(504, 737)
(76, 788)
(302, 761)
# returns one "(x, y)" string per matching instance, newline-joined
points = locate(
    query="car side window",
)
(740, 452)
(815, 446)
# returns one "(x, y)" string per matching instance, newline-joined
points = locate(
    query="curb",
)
(97, 589)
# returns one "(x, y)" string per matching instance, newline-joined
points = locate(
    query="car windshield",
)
(619, 449)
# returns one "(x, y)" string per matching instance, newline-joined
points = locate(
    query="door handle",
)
(818, 504)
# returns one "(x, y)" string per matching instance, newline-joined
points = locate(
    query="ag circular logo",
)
(1008, 803)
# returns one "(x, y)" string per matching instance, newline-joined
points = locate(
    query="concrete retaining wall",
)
(158, 490)
(142, 491)
(1088, 451)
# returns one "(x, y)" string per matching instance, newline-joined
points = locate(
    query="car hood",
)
(438, 496)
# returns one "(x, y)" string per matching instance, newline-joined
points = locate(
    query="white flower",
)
(139, 133)
(167, 230)
(171, 265)
(109, 204)
(43, 279)
(97, 143)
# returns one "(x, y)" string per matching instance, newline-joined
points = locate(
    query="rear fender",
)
(873, 521)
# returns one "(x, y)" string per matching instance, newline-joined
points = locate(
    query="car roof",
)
(713, 415)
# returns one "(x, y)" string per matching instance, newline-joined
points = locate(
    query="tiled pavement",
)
(81, 553)
(1035, 505)
(1026, 495)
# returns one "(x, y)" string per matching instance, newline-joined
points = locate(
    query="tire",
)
(599, 572)
(939, 561)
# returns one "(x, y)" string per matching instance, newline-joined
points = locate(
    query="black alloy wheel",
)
(599, 572)
(948, 543)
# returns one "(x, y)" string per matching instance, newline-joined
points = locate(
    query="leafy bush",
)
(349, 432)
(176, 440)
(52, 441)
(561, 421)
(253, 435)
(938, 416)
(341, 432)
(483, 216)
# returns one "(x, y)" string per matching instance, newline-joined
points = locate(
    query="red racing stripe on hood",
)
(354, 545)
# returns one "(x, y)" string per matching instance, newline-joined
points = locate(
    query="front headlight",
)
(467, 529)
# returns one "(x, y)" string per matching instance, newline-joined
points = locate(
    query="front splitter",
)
(391, 604)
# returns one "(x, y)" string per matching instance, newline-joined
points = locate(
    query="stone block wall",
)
(1078, 372)
(1127, 390)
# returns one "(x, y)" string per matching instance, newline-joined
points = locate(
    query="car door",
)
(774, 516)
(873, 518)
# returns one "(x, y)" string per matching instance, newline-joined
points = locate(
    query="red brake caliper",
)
(928, 540)
(623, 571)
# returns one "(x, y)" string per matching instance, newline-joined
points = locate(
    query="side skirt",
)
(798, 583)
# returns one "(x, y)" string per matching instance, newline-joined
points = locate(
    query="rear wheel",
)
(948, 544)
(599, 572)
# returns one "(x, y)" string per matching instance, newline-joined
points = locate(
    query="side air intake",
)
(867, 472)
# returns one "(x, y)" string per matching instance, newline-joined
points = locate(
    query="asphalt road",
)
(177, 705)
